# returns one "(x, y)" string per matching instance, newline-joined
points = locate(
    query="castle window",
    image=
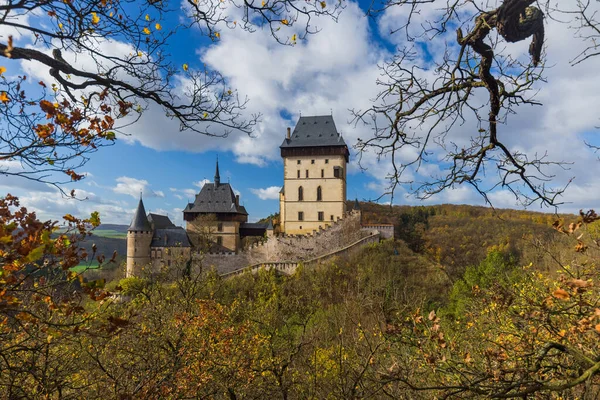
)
(159, 254)
(331, 217)
(299, 162)
(220, 240)
(153, 254)
(319, 194)
(322, 173)
(300, 194)
(307, 173)
(300, 226)
(220, 227)
(321, 215)
(298, 173)
(312, 161)
(338, 172)
(326, 161)
(300, 216)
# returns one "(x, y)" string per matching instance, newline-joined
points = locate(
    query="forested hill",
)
(457, 236)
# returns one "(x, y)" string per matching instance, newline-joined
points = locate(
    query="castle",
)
(312, 202)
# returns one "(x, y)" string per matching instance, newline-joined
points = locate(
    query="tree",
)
(419, 110)
(111, 58)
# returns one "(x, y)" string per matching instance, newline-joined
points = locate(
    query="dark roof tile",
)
(315, 131)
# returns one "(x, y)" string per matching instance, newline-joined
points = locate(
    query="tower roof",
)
(140, 220)
(314, 131)
(356, 204)
(214, 199)
(217, 175)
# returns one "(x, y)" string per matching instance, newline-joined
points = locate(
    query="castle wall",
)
(311, 172)
(283, 248)
(210, 228)
(169, 256)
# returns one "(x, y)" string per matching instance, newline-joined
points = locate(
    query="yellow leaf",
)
(294, 38)
(285, 22)
(2, 70)
(263, 3)
(95, 18)
(323, 4)
(158, 26)
(205, 115)
(111, 14)
(185, 67)
(139, 53)
(60, 26)
(4, 97)
(147, 17)
(146, 31)
(217, 35)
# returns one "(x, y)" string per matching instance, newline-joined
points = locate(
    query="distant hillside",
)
(457, 236)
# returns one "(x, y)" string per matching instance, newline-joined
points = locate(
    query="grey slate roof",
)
(215, 199)
(140, 221)
(356, 204)
(170, 237)
(315, 131)
(160, 221)
(255, 225)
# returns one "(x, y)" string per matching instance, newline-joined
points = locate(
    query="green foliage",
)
(133, 286)
(498, 269)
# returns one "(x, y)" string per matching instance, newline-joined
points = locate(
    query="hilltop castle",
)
(312, 200)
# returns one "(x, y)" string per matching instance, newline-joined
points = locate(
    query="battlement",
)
(336, 235)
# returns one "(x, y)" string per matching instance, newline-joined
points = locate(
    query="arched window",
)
(300, 194)
(319, 194)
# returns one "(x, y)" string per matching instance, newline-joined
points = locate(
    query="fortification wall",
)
(284, 248)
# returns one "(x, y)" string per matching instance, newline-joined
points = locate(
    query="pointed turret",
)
(140, 220)
(217, 176)
(356, 204)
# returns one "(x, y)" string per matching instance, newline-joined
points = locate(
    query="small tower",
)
(139, 237)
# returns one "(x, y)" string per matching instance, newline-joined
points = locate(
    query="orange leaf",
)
(561, 294)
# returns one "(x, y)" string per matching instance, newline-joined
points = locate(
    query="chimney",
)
(289, 132)
(237, 200)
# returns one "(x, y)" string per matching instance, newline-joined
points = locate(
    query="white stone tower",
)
(139, 238)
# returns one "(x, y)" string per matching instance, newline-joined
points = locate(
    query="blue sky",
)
(333, 71)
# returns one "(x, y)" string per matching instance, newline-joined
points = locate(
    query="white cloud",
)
(270, 193)
(200, 184)
(134, 187)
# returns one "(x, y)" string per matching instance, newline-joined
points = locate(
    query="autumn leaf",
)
(147, 17)
(431, 316)
(9, 47)
(323, 4)
(95, 18)
(597, 327)
(4, 97)
(185, 67)
(217, 35)
(146, 31)
(158, 26)
(2, 70)
(561, 294)
(285, 22)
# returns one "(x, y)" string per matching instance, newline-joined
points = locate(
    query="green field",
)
(109, 233)
(85, 266)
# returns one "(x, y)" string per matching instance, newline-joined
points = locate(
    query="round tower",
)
(139, 238)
